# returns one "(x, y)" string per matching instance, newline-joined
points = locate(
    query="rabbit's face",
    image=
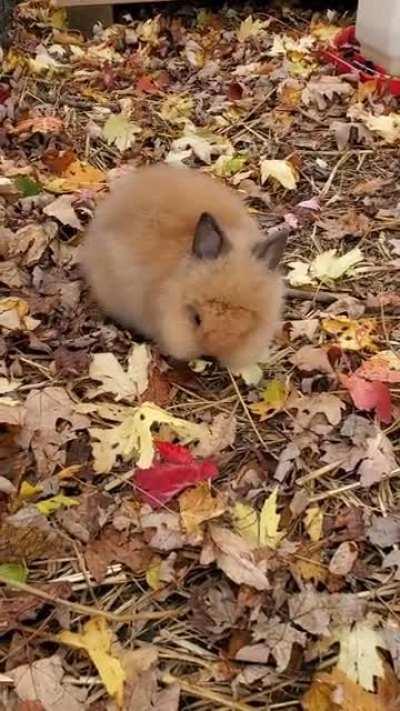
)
(225, 302)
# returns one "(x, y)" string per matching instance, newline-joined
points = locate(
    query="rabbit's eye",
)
(194, 315)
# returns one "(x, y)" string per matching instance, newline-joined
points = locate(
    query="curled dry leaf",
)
(235, 557)
(124, 385)
(369, 396)
(343, 559)
(43, 682)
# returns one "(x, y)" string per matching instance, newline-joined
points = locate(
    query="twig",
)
(323, 297)
(247, 411)
(327, 186)
(202, 693)
(91, 611)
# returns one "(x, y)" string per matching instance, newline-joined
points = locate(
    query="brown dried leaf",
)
(43, 681)
(115, 547)
(309, 359)
(27, 535)
(235, 557)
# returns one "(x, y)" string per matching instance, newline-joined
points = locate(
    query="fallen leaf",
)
(118, 130)
(202, 142)
(199, 505)
(133, 437)
(250, 28)
(343, 559)
(116, 547)
(274, 397)
(310, 359)
(78, 175)
(252, 375)
(319, 412)
(313, 522)
(27, 535)
(234, 556)
(279, 638)
(324, 89)
(124, 385)
(369, 186)
(337, 692)
(18, 607)
(369, 396)
(61, 208)
(14, 315)
(352, 335)
(27, 186)
(280, 170)
(303, 328)
(388, 127)
(17, 572)
(177, 470)
(43, 682)
(383, 367)
(96, 639)
(384, 531)
(49, 506)
(359, 658)
(45, 409)
(38, 124)
(324, 268)
(309, 610)
(259, 529)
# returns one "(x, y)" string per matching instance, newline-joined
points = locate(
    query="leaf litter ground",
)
(252, 560)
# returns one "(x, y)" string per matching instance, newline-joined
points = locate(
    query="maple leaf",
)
(337, 692)
(177, 470)
(250, 28)
(259, 529)
(388, 127)
(325, 267)
(76, 176)
(61, 208)
(384, 367)
(325, 87)
(274, 397)
(133, 436)
(122, 384)
(352, 335)
(369, 396)
(281, 170)
(96, 639)
(199, 505)
(118, 130)
(359, 658)
(43, 682)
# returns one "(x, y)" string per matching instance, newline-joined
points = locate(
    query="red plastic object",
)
(345, 55)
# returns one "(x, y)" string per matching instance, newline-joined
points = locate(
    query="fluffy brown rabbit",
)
(173, 254)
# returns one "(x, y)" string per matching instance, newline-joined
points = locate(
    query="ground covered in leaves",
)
(182, 537)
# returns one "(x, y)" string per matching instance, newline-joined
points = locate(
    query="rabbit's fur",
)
(173, 254)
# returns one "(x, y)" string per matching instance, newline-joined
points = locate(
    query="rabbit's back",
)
(143, 229)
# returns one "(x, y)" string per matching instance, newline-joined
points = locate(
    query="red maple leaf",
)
(175, 470)
(369, 396)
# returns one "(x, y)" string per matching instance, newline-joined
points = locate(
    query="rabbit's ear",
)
(271, 249)
(209, 240)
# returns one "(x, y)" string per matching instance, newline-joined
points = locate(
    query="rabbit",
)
(173, 254)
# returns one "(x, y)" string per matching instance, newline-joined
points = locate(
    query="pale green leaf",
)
(120, 131)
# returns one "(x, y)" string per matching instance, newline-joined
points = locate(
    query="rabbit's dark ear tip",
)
(271, 249)
(209, 240)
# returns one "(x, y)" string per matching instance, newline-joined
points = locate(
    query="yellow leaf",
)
(96, 640)
(14, 315)
(58, 18)
(133, 437)
(280, 170)
(198, 505)
(388, 127)
(246, 523)
(28, 490)
(48, 506)
(314, 519)
(259, 529)
(274, 397)
(153, 573)
(325, 32)
(269, 522)
(250, 28)
(121, 132)
(176, 108)
(352, 335)
(77, 176)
